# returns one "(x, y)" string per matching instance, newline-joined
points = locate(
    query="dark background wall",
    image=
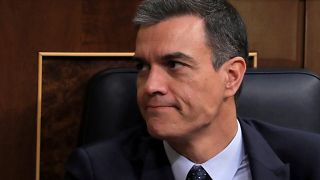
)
(284, 33)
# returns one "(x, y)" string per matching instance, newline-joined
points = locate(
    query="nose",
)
(155, 82)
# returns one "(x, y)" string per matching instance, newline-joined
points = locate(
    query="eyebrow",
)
(176, 55)
(138, 59)
(167, 57)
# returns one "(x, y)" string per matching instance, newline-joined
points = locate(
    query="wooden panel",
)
(27, 27)
(107, 25)
(312, 55)
(275, 30)
(64, 81)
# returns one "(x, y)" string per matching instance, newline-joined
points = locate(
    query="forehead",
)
(172, 34)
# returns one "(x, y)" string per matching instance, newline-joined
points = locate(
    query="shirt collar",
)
(220, 167)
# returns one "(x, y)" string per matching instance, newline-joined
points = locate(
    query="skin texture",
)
(182, 98)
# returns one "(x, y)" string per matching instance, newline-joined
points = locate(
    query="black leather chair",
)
(285, 98)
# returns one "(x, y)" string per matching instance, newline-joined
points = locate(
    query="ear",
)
(234, 70)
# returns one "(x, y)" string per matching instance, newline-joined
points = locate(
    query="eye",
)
(174, 64)
(141, 66)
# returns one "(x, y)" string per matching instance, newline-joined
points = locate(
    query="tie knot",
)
(198, 173)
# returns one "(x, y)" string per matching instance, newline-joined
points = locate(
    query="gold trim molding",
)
(255, 58)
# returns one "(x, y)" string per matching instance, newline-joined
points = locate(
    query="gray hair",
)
(225, 30)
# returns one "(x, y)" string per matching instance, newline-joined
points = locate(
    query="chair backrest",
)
(110, 105)
(286, 98)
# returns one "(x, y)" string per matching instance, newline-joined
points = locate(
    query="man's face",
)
(179, 92)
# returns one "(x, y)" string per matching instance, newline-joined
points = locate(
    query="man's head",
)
(180, 93)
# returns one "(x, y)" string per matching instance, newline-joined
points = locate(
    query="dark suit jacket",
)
(274, 153)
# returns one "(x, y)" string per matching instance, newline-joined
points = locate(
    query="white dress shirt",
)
(230, 164)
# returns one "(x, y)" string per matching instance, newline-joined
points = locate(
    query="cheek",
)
(139, 94)
(213, 98)
(139, 91)
(140, 101)
(190, 101)
(202, 98)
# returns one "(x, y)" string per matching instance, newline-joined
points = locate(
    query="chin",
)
(162, 132)
(162, 127)
(158, 131)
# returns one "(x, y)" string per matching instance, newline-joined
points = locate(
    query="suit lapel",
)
(264, 163)
(156, 163)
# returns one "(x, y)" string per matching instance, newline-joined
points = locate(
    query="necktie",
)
(198, 173)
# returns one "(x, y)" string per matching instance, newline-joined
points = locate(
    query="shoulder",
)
(292, 146)
(123, 143)
(277, 133)
(123, 151)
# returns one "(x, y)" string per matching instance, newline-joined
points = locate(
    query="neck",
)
(211, 140)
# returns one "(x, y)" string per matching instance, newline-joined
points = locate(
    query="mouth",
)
(159, 107)
(159, 104)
